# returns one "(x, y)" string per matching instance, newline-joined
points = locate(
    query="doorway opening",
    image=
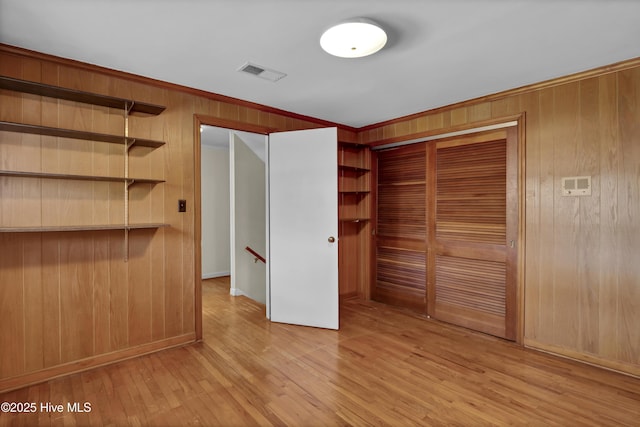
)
(229, 208)
(233, 206)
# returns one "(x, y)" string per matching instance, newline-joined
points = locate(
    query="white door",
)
(303, 227)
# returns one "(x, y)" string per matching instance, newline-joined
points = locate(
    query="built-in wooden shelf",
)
(353, 144)
(20, 174)
(76, 134)
(49, 229)
(347, 219)
(354, 168)
(354, 191)
(79, 96)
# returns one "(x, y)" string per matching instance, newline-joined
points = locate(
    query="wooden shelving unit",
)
(129, 180)
(64, 228)
(49, 91)
(75, 134)
(354, 214)
(127, 106)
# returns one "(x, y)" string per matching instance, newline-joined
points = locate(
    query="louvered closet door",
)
(401, 230)
(474, 222)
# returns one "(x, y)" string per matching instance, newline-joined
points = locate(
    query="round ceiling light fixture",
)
(354, 38)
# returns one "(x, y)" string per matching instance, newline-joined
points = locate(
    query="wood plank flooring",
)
(384, 367)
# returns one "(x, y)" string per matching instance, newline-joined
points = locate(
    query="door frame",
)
(232, 125)
(515, 121)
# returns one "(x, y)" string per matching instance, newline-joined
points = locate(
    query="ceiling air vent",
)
(262, 72)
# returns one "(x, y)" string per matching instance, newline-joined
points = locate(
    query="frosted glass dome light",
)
(353, 39)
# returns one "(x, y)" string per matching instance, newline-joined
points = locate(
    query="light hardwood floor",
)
(384, 367)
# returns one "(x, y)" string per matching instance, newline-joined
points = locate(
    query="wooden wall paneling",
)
(188, 264)
(34, 283)
(480, 112)
(51, 311)
(76, 296)
(101, 121)
(175, 175)
(10, 150)
(588, 240)
(532, 267)
(139, 296)
(157, 243)
(459, 116)
(12, 334)
(566, 215)
(629, 212)
(34, 301)
(545, 228)
(348, 259)
(609, 227)
(101, 295)
(140, 203)
(76, 249)
(118, 270)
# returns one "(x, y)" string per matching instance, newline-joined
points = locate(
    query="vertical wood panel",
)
(566, 214)
(174, 253)
(546, 226)
(76, 297)
(629, 212)
(588, 240)
(610, 254)
(51, 308)
(533, 267)
(12, 307)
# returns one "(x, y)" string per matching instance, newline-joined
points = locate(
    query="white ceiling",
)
(439, 51)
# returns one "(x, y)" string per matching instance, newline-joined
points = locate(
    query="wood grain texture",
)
(472, 208)
(72, 296)
(401, 227)
(579, 255)
(384, 367)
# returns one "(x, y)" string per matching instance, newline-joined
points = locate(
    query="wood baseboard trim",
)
(611, 365)
(81, 365)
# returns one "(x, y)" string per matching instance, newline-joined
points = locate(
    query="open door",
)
(303, 227)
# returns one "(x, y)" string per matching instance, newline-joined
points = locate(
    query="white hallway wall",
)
(215, 211)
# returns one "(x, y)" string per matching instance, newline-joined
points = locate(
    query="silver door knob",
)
(331, 239)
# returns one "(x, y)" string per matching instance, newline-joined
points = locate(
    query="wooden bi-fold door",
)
(446, 230)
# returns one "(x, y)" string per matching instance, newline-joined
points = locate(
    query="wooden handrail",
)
(257, 256)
